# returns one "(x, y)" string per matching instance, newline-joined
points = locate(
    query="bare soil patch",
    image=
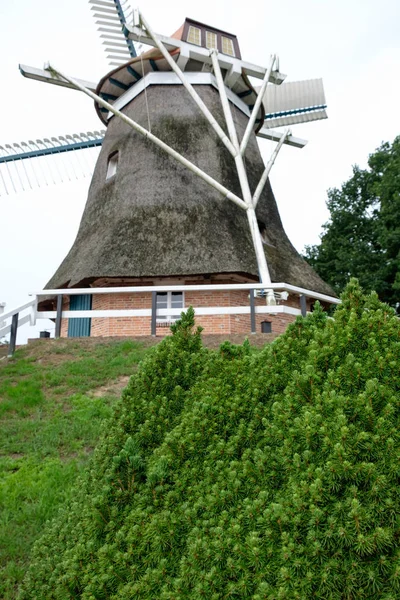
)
(113, 388)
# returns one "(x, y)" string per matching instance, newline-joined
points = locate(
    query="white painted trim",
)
(268, 309)
(202, 54)
(80, 314)
(287, 287)
(187, 288)
(146, 312)
(43, 75)
(274, 135)
(21, 321)
(168, 78)
(18, 309)
(5, 330)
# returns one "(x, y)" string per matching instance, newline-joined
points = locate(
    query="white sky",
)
(354, 45)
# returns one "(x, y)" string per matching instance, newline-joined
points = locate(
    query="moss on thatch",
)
(156, 218)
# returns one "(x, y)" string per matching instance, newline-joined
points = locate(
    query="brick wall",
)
(219, 324)
(64, 322)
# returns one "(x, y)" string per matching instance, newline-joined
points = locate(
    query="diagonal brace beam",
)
(243, 179)
(214, 124)
(268, 168)
(257, 105)
(147, 134)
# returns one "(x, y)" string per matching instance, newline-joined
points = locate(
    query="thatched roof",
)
(156, 218)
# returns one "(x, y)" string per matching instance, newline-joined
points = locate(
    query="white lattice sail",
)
(294, 102)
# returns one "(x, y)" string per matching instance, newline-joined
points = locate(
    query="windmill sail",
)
(294, 102)
(111, 17)
(46, 161)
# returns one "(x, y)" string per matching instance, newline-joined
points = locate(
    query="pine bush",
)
(238, 475)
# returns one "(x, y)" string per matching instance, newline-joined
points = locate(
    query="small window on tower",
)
(112, 165)
(211, 40)
(194, 35)
(263, 232)
(227, 46)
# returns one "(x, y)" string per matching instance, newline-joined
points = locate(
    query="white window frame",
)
(112, 165)
(232, 45)
(165, 319)
(195, 31)
(214, 44)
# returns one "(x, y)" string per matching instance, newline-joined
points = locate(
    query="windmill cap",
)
(113, 85)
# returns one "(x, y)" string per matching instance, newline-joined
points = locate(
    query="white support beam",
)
(232, 75)
(194, 95)
(33, 313)
(244, 183)
(43, 75)
(182, 59)
(147, 134)
(169, 78)
(275, 136)
(268, 168)
(256, 107)
(202, 54)
(224, 101)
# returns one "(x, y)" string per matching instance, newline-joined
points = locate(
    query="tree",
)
(239, 475)
(362, 237)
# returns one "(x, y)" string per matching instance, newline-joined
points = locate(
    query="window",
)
(227, 46)
(211, 40)
(168, 300)
(112, 165)
(194, 35)
(263, 231)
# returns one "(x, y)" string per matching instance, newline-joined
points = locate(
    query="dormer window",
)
(194, 35)
(211, 40)
(112, 165)
(209, 37)
(227, 46)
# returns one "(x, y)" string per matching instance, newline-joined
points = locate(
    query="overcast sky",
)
(354, 45)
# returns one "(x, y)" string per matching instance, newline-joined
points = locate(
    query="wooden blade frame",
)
(112, 14)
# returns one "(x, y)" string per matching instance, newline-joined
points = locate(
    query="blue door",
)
(80, 327)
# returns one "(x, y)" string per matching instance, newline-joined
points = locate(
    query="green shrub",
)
(234, 475)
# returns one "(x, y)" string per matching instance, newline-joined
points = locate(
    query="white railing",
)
(59, 314)
(17, 321)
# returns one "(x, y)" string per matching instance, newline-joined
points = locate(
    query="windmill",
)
(180, 191)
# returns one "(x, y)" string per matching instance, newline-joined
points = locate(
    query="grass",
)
(54, 399)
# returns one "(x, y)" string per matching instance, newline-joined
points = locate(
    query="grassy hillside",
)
(54, 397)
(229, 474)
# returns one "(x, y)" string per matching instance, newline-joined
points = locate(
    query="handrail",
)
(19, 309)
(58, 314)
(190, 288)
(16, 322)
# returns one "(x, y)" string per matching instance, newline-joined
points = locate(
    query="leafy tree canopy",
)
(362, 237)
(270, 476)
